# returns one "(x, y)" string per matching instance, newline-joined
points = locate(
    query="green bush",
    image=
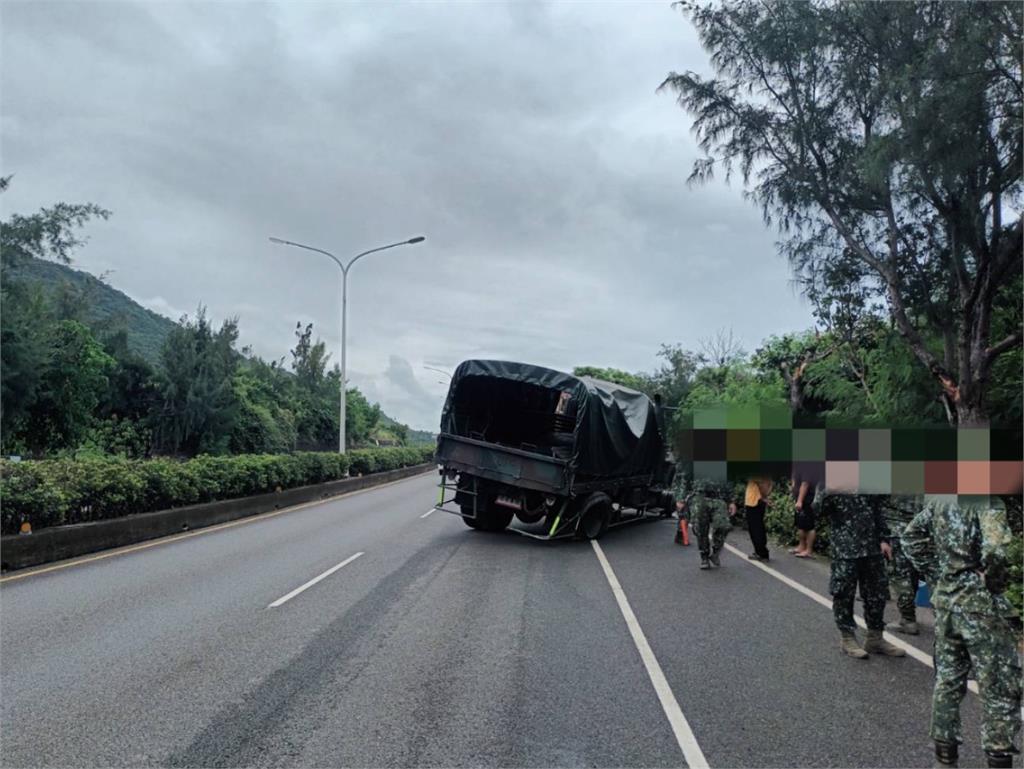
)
(53, 492)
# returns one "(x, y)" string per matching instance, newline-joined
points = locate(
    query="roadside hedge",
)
(53, 492)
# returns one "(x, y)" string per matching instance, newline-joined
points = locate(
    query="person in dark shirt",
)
(804, 485)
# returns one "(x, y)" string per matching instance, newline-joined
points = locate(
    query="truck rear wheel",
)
(487, 519)
(595, 516)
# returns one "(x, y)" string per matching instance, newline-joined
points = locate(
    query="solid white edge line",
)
(313, 581)
(428, 512)
(680, 726)
(911, 650)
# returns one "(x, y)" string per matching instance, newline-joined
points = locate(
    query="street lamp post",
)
(344, 302)
(439, 371)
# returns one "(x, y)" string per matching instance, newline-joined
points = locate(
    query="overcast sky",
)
(525, 141)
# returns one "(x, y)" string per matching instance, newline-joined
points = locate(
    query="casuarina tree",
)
(886, 136)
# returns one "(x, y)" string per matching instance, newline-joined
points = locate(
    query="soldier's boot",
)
(907, 624)
(946, 753)
(714, 559)
(1002, 760)
(704, 562)
(849, 646)
(875, 644)
(903, 626)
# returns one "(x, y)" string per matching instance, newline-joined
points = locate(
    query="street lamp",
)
(344, 301)
(439, 371)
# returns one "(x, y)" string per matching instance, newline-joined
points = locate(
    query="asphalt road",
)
(439, 646)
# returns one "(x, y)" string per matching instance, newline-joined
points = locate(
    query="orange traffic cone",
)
(683, 534)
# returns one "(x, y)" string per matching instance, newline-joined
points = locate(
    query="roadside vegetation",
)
(53, 492)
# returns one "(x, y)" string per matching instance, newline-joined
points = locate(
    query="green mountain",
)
(105, 308)
(102, 306)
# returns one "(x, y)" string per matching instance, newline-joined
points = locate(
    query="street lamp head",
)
(417, 239)
(278, 240)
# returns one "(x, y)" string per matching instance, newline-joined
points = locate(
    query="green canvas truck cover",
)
(614, 430)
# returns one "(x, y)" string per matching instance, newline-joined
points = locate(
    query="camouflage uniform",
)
(680, 486)
(857, 531)
(903, 577)
(711, 520)
(951, 543)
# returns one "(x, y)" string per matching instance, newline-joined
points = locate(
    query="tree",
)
(26, 333)
(361, 417)
(264, 423)
(883, 134)
(615, 376)
(790, 355)
(719, 354)
(317, 393)
(72, 385)
(23, 355)
(309, 359)
(199, 405)
(740, 384)
(674, 377)
(133, 393)
(48, 234)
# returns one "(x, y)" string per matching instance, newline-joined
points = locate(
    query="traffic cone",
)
(683, 537)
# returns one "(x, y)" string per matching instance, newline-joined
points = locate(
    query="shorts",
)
(804, 519)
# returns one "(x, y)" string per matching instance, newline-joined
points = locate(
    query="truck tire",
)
(595, 516)
(488, 519)
(495, 519)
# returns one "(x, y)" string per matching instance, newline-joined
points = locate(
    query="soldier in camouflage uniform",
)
(903, 577)
(860, 544)
(960, 547)
(710, 519)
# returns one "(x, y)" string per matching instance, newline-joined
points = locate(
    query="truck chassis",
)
(478, 477)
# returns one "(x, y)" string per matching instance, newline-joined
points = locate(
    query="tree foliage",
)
(615, 376)
(197, 367)
(52, 233)
(72, 383)
(884, 139)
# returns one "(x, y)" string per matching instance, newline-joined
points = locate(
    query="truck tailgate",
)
(504, 464)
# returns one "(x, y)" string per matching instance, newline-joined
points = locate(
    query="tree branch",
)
(1008, 343)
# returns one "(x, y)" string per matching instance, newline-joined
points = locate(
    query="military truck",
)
(565, 455)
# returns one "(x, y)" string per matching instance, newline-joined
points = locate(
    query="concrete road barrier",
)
(19, 551)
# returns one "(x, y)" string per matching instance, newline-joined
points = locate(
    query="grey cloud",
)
(526, 141)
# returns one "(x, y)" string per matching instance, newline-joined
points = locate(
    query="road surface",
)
(429, 644)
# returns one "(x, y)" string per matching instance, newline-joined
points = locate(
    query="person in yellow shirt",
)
(755, 502)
